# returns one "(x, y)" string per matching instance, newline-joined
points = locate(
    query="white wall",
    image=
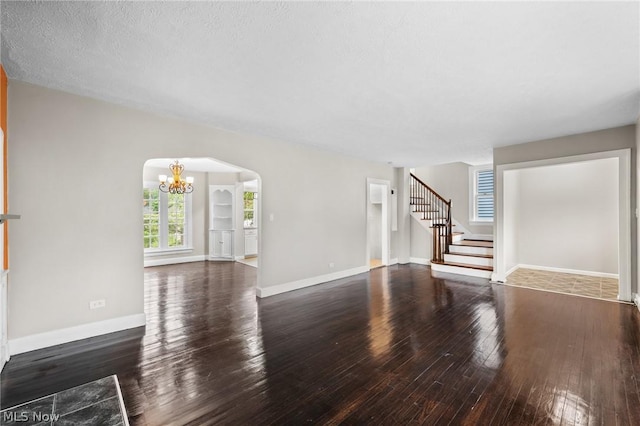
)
(421, 241)
(84, 242)
(375, 231)
(403, 235)
(567, 216)
(637, 201)
(511, 220)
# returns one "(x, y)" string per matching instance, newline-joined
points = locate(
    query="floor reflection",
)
(486, 334)
(380, 327)
(393, 346)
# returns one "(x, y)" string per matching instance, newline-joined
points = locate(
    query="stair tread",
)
(466, 265)
(471, 243)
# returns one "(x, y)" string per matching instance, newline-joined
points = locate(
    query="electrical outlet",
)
(97, 304)
(331, 265)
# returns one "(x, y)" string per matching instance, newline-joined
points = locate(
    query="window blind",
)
(484, 194)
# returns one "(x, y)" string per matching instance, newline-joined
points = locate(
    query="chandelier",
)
(175, 184)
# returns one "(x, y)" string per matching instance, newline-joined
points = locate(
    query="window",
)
(166, 219)
(481, 179)
(176, 219)
(250, 204)
(151, 216)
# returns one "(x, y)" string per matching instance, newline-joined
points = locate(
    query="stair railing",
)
(436, 209)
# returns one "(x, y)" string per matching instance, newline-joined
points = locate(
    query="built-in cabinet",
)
(250, 242)
(221, 245)
(221, 221)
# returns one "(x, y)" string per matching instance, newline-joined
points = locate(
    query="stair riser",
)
(460, 271)
(470, 260)
(457, 238)
(470, 250)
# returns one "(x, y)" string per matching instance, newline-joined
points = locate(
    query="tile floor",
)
(581, 285)
(94, 403)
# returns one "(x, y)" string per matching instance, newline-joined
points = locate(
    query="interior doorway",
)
(212, 221)
(377, 223)
(250, 200)
(563, 225)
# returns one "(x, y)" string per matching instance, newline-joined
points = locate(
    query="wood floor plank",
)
(392, 346)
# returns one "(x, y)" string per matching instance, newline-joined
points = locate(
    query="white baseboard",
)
(71, 334)
(512, 270)
(498, 279)
(393, 261)
(308, 282)
(239, 258)
(420, 260)
(636, 300)
(174, 260)
(495, 278)
(566, 271)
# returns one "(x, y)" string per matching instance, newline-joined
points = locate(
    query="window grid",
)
(176, 220)
(249, 208)
(166, 220)
(151, 217)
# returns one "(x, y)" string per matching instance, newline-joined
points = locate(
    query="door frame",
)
(4, 317)
(624, 212)
(386, 220)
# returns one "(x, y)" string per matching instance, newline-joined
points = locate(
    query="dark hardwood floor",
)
(394, 346)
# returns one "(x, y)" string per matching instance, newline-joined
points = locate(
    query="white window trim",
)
(163, 252)
(164, 216)
(473, 207)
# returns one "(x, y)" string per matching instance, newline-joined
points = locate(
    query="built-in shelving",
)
(222, 223)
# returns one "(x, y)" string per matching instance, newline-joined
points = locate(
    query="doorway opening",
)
(215, 222)
(250, 200)
(564, 225)
(377, 223)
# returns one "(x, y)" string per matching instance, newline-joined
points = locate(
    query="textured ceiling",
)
(411, 83)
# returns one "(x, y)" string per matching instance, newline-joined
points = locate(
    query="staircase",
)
(450, 251)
